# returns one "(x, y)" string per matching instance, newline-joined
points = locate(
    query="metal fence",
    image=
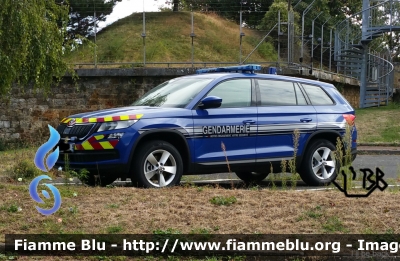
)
(277, 46)
(203, 40)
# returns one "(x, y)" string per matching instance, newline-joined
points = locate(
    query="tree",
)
(31, 43)
(252, 10)
(81, 15)
(343, 8)
(393, 42)
(271, 16)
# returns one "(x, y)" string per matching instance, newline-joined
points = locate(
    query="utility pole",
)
(302, 29)
(144, 37)
(192, 35)
(322, 43)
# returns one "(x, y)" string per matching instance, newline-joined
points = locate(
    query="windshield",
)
(176, 93)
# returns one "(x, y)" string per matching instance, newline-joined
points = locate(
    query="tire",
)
(157, 164)
(250, 177)
(102, 181)
(319, 166)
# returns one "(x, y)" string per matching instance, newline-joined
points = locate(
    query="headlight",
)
(115, 125)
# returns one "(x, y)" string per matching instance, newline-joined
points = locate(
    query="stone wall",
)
(26, 114)
(396, 83)
(351, 93)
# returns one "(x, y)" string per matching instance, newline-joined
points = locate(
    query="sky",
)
(127, 7)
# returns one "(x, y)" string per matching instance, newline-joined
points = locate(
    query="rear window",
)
(317, 95)
(277, 93)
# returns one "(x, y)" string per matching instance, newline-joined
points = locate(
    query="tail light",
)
(350, 118)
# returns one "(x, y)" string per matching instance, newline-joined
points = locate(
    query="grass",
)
(11, 158)
(168, 40)
(379, 125)
(223, 201)
(334, 225)
(114, 229)
(185, 210)
(314, 213)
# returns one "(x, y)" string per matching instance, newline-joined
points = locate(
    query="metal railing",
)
(375, 71)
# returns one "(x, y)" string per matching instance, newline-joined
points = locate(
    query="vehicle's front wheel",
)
(319, 166)
(157, 164)
(250, 177)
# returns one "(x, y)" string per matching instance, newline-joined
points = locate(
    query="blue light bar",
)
(240, 68)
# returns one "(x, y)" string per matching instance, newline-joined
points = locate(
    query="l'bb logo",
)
(45, 164)
(376, 182)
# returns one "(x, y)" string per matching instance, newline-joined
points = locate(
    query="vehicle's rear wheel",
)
(157, 164)
(250, 177)
(319, 166)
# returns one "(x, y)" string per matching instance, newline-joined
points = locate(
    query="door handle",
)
(249, 121)
(306, 120)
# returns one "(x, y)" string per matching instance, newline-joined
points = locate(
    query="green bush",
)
(24, 169)
(219, 200)
(11, 208)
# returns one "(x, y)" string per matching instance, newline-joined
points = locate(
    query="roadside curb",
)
(378, 150)
(387, 144)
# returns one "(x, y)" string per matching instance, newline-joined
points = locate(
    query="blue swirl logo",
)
(45, 164)
(40, 156)
(33, 191)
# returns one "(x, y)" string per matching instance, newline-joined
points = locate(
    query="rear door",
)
(282, 109)
(229, 130)
(330, 116)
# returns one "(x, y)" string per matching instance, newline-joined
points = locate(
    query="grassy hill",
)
(168, 40)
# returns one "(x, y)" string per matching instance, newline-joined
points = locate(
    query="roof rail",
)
(240, 68)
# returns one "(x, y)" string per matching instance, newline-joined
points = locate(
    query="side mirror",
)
(210, 102)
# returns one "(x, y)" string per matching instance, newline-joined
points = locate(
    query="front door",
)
(227, 133)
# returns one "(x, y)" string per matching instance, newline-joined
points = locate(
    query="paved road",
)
(389, 164)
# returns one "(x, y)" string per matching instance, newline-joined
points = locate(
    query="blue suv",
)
(197, 124)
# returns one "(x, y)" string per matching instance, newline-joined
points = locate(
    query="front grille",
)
(79, 131)
(61, 128)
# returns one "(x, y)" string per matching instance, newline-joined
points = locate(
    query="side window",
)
(301, 100)
(234, 93)
(277, 93)
(317, 95)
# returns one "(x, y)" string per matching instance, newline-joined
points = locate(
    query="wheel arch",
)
(173, 137)
(330, 135)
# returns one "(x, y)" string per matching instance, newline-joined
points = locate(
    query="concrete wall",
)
(25, 114)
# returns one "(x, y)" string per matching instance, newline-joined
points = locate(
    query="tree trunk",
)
(176, 6)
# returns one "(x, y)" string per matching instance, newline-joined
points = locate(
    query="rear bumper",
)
(353, 154)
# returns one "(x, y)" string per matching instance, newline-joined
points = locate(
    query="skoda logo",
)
(71, 123)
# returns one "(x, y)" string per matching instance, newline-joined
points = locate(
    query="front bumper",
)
(104, 163)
